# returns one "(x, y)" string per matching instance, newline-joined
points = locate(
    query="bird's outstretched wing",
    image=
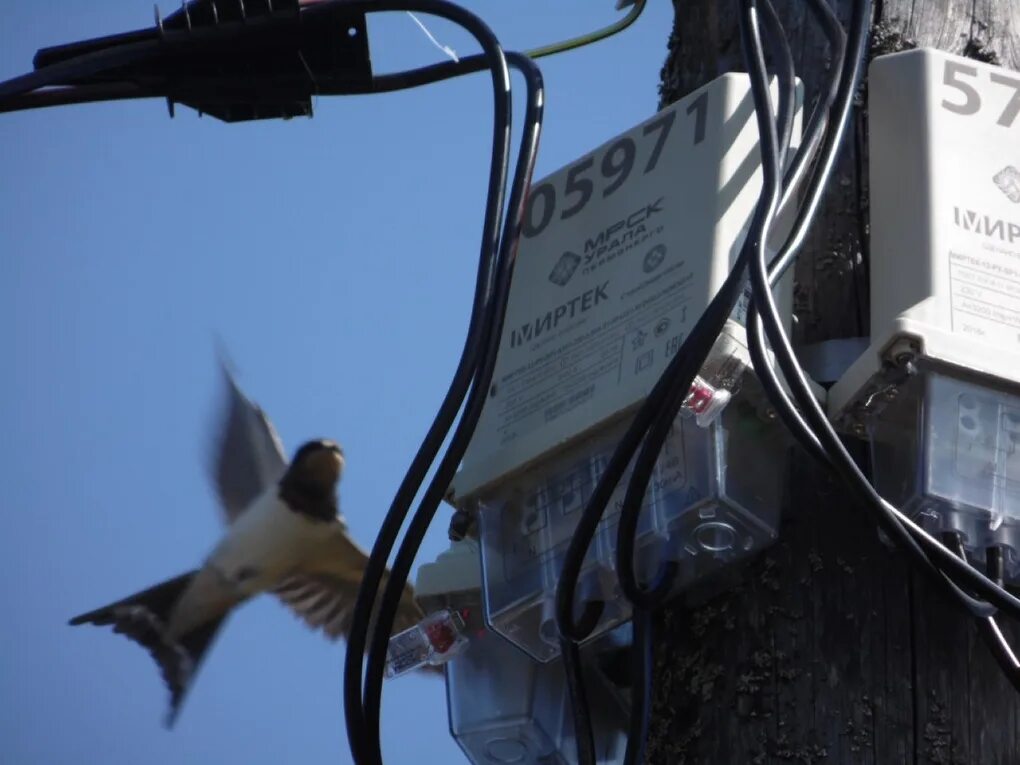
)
(322, 602)
(248, 456)
(323, 592)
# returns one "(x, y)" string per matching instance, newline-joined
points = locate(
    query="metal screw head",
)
(460, 525)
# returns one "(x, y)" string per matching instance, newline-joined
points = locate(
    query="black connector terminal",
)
(237, 60)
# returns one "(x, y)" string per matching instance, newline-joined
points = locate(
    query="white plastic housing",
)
(945, 222)
(453, 581)
(947, 451)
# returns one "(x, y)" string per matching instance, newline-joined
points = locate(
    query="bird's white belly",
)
(265, 543)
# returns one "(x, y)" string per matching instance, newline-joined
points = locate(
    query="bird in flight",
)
(284, 535)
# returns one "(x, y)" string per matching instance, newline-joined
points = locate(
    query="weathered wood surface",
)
(827, 649)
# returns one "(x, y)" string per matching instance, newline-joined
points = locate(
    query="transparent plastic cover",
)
(946, 451)
(505, 707)
(714, 498)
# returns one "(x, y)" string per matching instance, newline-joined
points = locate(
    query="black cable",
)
(74, 94)
(988, 627)
(819, 121)
(79, 67)
(476, 398)
(666, 398)
(920, 545)
(584, 734)
(784, 259)
(362, 747)
(684, 365)
(643, 654)
(654, 594)
(782, 66)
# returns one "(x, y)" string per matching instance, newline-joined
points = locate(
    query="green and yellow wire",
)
(592, 37)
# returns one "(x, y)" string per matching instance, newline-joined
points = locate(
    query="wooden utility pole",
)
(827, 648)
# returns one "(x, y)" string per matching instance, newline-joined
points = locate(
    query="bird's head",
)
(318, 463)
(309, 485)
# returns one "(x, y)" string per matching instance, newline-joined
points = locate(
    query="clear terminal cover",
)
(947, 452)
(714, 498)
(505, 707)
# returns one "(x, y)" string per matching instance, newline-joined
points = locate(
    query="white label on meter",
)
(974, 108)
(984, 281)
(621, 251)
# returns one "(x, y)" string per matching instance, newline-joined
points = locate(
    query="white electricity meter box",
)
(620, 254)
(505, 707)
(938, 391)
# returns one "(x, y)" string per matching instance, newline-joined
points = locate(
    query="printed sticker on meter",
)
(621, 251)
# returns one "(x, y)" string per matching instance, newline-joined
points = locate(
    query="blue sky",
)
(335, 258)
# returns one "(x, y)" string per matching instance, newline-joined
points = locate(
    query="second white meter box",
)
(938, 391)
(621, 252)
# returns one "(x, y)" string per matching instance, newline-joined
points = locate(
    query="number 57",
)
(953, 76)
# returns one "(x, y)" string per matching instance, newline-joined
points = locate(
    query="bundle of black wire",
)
(948, 569)
(483, 354)
(654, 419)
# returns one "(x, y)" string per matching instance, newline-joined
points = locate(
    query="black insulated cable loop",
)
(79, 67)
(647, 414)
(816, 130)
(815, 133)
(584, 734)
(949, 571)
(700, 339)
(988, 627)
(362, 748)
(789, 414)
(643, 657)
(669, 387)
(782, 66)
(472, 408)
(74, 94)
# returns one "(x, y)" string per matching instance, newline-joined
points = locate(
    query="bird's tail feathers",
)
(144, 617)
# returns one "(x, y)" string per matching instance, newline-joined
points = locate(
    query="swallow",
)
(284, 536)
